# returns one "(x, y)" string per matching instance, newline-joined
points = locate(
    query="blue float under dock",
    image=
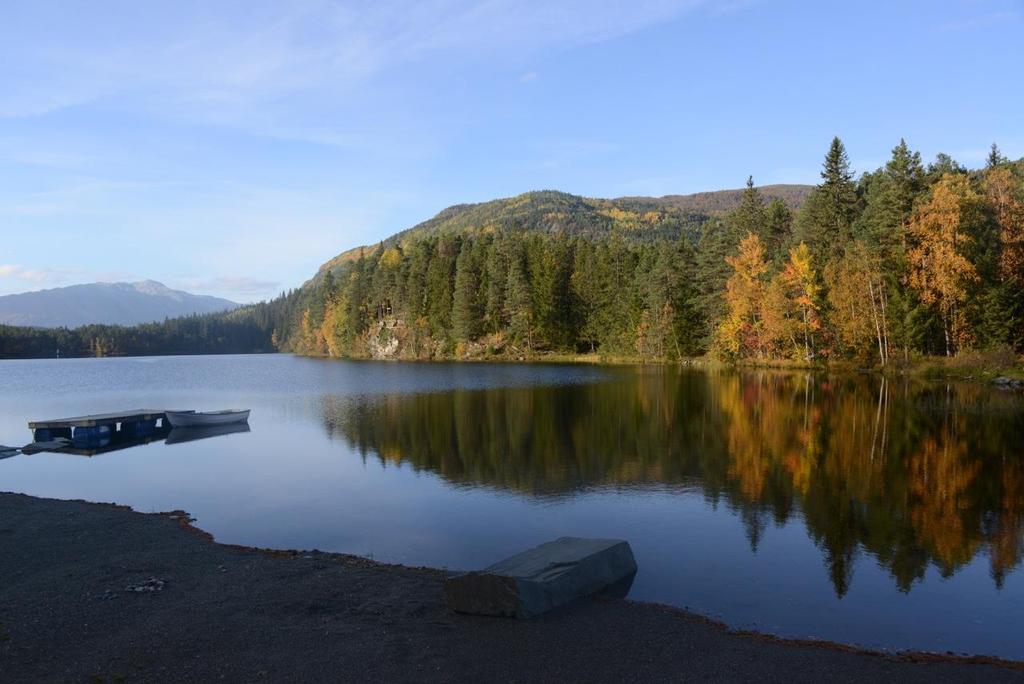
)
(138, 422)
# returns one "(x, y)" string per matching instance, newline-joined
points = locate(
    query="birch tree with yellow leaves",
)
(859, 300)
(939, 269)
(740, 332)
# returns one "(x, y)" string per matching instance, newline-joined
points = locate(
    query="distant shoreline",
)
(978, 367)
(148, 596)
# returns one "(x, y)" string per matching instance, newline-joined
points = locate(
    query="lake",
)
(885, 513)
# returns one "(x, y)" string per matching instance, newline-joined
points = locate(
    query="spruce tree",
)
(497, 280)
(585, 282)
(689, 324)
(356, 296)
(467, 306)
(519, 311)
(840, 192)
(718, 240)
(749, 216)
(995, 157)
(828, 214)
(440, 274)
(778, 228)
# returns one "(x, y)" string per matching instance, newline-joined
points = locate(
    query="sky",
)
(231, 147)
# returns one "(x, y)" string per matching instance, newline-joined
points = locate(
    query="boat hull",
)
(180, 435)
(196, 419)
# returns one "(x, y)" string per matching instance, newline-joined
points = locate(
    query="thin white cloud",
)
(243, 287)
(216, 61)
(15, 277)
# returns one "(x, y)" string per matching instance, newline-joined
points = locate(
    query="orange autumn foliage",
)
(939, 269)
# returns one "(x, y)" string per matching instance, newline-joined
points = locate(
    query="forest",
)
(905, 261)
(249, 329)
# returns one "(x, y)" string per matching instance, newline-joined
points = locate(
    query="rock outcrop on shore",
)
(94, 592)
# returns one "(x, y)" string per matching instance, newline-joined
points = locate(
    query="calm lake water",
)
(887, 514)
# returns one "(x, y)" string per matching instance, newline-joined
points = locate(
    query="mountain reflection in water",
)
(913, 474)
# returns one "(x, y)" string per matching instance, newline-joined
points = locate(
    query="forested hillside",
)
(908, 259)
(636, 219)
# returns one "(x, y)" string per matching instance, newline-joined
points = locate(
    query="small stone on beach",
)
(151, 585)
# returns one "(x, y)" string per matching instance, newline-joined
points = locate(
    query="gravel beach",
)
(99, 593)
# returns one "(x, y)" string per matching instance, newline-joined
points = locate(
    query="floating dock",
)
(132, 416)
(100, 433)
(102, 429)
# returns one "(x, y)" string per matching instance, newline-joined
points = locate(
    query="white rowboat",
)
(196, 418)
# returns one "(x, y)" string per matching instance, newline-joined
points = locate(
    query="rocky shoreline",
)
(100, 593)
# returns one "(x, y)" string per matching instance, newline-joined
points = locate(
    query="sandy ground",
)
(199, 611)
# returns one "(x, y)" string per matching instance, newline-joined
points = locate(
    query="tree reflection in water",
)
(913, 474)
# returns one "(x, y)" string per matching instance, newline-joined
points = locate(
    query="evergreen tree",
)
(550, 264)
(778, 227)
(889, 203)
(518, 301)
(689, 324)
(497, 281)
(717, 242)
(468, 305)
(942, 166)
(585, 282)
(672, 327)
(749, 216)
(439, 287)
(827, 217)
(995, 158)
(356, 297)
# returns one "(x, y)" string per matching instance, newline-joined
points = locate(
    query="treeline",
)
(908, 259)
(248, 329)
(904, 260)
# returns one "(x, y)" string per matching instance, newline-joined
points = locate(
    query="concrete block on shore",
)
(544, 577)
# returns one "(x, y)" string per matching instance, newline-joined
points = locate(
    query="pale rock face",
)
(384, 341)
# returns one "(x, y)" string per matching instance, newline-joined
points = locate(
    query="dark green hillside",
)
(634, 219)
(549, 212)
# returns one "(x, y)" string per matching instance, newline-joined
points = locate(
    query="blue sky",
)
(230, 147)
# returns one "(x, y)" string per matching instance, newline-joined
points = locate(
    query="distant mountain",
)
(109, 303)
(550, 211)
